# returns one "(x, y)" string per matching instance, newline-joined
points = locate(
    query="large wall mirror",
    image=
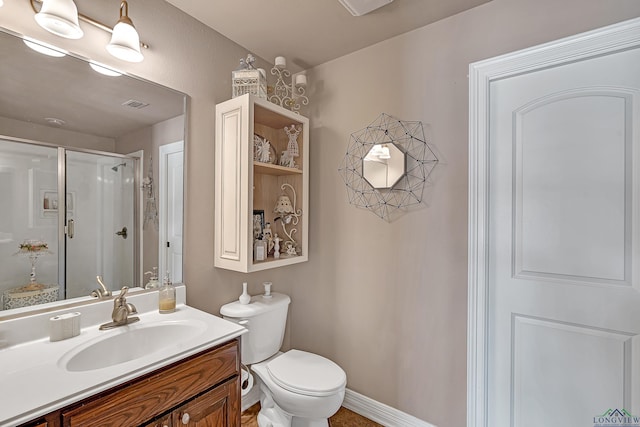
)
(91, 173)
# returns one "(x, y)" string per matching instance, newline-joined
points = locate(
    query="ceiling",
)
(311, 32)
(35, 87)
(307, 32)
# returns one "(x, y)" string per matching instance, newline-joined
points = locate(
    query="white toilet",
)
(297, 388)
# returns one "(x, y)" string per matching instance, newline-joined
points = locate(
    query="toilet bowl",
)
(297, 388)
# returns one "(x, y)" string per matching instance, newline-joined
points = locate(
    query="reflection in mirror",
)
(384, 165)
(76, 148)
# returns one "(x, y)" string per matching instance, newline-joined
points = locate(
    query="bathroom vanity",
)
(165, 370)
(202, 390)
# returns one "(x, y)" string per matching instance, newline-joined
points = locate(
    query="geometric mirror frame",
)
(407, 137)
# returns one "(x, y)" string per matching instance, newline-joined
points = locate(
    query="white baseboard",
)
(379, 412)
(360, 404)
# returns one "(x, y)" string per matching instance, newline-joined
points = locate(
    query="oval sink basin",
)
(128, 343)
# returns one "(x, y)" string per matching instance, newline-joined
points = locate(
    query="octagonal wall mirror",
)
(384, 165)
(387, 165)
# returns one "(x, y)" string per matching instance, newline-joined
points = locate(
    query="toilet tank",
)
(265, 318)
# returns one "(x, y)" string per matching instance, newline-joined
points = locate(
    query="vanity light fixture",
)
(125, 42)
(60, 17)
(385, 154)
(103, 69)
(44, 48)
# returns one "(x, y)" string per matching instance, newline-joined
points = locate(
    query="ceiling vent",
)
(362, 7)
(132, 103)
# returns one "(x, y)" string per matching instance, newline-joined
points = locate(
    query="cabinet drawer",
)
(141, 400)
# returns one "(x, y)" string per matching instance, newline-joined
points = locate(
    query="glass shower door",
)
(100, 231)
(28, 225)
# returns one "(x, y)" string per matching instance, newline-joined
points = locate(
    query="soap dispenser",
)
(153, 282)
(167, 296)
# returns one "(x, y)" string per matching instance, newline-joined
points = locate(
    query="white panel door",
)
(563, 245)
(170, 216)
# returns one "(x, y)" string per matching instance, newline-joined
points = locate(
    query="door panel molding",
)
(625, 35)
(569, 212)
(557, 348)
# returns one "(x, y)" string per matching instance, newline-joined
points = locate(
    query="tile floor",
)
(343, 418)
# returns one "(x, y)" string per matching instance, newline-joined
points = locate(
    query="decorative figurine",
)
(264, 151)
(291, 250)
(267, 236)
(292, 145)
(284, 158)
(276, 246)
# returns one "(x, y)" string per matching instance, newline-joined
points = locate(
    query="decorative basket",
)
(28, 295)
(251, 81)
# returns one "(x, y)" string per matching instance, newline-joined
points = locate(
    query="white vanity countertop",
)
(33, 377)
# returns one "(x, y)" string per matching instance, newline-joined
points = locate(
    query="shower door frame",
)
(62, 195)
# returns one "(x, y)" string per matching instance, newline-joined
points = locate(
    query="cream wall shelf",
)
(243, 185)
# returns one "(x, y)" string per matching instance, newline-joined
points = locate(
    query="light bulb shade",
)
(125, 43)
(60, 17)
(44, 48)
(103, 69)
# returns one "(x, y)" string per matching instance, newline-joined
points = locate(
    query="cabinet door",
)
(216, 408)
(166, 421)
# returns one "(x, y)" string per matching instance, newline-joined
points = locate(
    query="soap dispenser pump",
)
(167, 296)
(245, 298)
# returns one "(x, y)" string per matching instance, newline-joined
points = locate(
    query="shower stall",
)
(67, 215)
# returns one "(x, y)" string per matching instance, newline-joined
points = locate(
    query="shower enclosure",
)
(82, 205)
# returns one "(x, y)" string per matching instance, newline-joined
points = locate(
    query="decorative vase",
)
(245, 298)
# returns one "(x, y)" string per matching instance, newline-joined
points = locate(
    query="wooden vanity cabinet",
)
(50, 420)
(202, 390)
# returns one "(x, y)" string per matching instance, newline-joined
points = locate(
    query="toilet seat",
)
(306, 373)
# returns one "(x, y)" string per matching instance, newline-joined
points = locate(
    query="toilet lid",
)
(306, 373)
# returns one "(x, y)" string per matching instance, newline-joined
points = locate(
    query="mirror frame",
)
(420, 160)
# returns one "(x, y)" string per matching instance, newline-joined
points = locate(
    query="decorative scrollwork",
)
(287, 95)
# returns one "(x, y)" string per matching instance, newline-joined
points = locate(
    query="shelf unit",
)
(244, 185)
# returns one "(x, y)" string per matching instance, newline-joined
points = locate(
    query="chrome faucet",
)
(102, 291)
(121, 311)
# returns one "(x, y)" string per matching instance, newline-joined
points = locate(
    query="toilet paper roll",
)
(64, 326)
(246, 378)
